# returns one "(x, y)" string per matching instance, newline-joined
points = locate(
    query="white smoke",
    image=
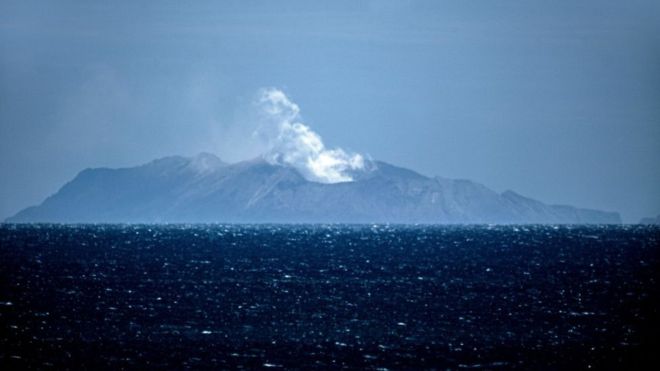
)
(290, 142)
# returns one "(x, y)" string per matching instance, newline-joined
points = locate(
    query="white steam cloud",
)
(290, 142)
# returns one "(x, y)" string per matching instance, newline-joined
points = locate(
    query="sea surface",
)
(328, 296)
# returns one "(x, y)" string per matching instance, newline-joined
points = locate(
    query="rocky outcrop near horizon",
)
(651, 220)
(204, 189)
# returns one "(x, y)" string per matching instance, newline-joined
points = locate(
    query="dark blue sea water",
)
(374, 297)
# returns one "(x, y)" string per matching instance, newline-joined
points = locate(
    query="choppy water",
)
(378, 297)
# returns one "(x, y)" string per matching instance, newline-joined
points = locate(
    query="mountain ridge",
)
(203, 188)
(650, 220)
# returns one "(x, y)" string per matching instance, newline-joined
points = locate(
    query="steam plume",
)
(290, 142)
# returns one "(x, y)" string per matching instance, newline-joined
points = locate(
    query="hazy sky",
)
(557, 100)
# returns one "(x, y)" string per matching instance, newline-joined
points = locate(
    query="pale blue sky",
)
(557, 100)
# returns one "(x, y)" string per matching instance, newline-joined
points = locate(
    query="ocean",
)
(328, 296)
